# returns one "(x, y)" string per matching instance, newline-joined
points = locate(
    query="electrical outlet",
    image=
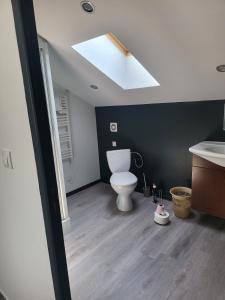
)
(114, 143)
(69, 179)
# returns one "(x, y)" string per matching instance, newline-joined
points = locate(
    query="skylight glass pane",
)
(125, 70)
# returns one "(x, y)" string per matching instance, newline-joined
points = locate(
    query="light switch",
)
(7, 158)
(114, 143)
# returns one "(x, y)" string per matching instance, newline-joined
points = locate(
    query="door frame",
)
(26, 34)
(49, 94)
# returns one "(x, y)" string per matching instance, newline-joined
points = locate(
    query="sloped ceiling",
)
(179, 42)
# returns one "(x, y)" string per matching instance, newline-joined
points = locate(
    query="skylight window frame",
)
(118, 43)
(109, 55)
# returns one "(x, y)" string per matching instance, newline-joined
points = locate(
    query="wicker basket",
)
(181, 201)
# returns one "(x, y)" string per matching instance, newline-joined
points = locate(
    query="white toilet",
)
(122, 181)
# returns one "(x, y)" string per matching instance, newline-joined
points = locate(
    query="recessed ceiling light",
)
(220, 68)
(87, 6)
(94, 87)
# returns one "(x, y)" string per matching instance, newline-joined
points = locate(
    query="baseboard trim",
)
(84, 187)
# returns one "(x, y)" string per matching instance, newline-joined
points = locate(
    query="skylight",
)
(113, 59)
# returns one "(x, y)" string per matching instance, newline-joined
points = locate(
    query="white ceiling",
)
(179, 41)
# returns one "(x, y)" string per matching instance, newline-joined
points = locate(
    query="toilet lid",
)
(123, 178)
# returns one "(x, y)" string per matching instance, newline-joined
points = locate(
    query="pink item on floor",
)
(160, 209)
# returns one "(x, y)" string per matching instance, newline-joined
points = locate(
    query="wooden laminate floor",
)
(126, 256)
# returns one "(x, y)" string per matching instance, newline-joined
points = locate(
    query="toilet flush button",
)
(114, 143)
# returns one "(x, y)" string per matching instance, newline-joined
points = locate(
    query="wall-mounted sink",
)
(211, 151)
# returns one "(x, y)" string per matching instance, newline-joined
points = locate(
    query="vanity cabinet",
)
(208, 187)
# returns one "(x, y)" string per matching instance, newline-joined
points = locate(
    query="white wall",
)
(24, 261)
(84, 168)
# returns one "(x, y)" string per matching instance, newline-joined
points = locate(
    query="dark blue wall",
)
(162, 133)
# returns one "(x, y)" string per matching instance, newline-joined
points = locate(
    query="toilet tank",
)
(118, 160)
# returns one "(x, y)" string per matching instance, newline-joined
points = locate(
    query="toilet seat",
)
(123, 179)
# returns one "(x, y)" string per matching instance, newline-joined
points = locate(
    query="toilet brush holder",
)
(146, 191)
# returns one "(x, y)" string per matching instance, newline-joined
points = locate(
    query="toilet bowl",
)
(122, 181)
